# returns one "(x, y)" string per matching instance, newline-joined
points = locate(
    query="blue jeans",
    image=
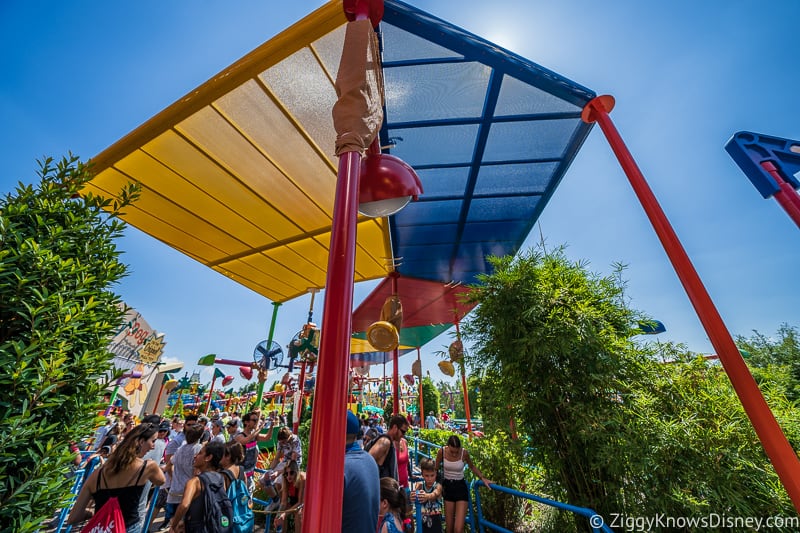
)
(169, 512)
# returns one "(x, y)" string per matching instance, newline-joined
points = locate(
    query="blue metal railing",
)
(596, 521)
(76, 488)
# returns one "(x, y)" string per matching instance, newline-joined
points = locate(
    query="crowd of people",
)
(193, 458)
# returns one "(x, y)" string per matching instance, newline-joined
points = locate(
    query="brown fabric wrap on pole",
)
(392, 311)
(358, 113)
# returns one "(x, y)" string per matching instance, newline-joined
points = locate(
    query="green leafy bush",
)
(58, 262)
(431, 399)
(626, 429)
(554, 341)
(687, 447)
(499, 458)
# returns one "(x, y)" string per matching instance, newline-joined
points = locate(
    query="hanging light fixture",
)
(246, 372)
(384, 335)
(387, 185)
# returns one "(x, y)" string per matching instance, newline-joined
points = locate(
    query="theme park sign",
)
(137, 348)
(135, 341)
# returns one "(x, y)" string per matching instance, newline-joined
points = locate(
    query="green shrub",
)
(58, 262)
(688, 448)
(553, 342)
(431, 400)
(499, 458)
(611, 426)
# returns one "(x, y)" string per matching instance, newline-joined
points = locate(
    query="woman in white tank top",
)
(452, 458)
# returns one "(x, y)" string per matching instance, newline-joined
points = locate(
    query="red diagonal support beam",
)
(780, 452)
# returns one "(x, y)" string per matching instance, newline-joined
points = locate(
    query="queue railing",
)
(474, 507)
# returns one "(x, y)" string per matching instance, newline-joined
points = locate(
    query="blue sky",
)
(77, 76)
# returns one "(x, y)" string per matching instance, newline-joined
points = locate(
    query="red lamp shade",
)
(246, 372)
(387, 185)
(227, 381)
(371, 8)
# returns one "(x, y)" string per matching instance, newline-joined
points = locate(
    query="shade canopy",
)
(429, 309)
(489, 133)
(239, 174)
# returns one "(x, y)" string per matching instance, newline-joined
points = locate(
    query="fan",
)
(268, 359)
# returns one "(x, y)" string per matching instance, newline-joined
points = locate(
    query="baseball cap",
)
(353, 425)
(217, 422)
(164, 426)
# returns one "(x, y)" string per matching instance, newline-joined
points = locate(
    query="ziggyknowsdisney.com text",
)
(621, 522)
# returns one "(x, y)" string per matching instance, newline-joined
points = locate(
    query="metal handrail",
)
(74, 490)
(596, 521)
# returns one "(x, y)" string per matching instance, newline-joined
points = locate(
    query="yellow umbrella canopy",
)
(240, 173)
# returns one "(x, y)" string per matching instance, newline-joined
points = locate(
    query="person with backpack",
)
(384, 448)
(205, 507)
(243, 519)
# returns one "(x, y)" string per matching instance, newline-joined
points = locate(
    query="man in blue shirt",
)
(362, 486)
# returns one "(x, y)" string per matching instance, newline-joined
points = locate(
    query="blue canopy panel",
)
(490, 134)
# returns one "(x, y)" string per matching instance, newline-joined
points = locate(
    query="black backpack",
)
(389, 466)
(218, 510)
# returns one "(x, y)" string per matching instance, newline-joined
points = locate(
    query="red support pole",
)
(325, 485)
(767, 428)
(787, 196)
(419, 391)
(395, 363)
(464, 386)
(300, 388)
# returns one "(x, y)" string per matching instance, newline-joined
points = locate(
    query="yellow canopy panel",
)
(360, 346)
(240, 174)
